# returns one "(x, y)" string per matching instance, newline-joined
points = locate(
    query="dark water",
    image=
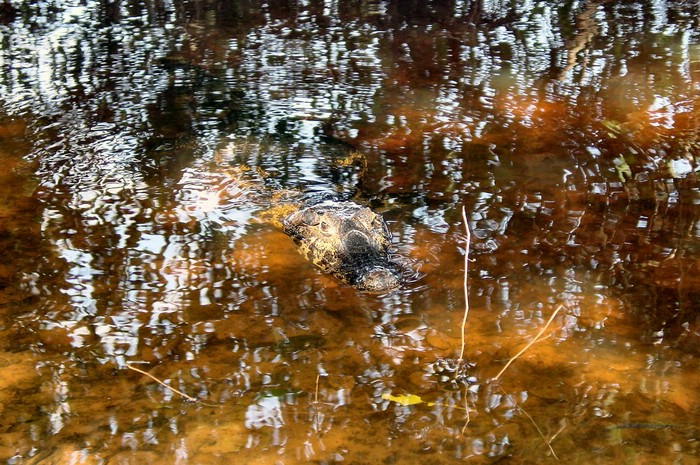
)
(145, 143)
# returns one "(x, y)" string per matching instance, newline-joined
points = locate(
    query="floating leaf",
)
(624, 171)
(613, 127)
(410, 399)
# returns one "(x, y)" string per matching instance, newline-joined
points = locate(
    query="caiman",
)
(347, 240)
(341, 237)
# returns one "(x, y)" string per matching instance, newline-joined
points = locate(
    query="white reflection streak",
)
(182, 453)
(97, 208)
(123, 340)
(266, 411)
(685, 47)
(79, 289)
(659, 16)
(213, 199)
(662, 112)
(62, 407)
(60, 395)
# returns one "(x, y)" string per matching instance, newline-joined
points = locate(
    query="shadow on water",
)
(149, 148)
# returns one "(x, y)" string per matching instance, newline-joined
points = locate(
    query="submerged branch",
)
(190, 398)
(539, 431)
(522, 351)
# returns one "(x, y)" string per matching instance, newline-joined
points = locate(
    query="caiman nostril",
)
(379, 280)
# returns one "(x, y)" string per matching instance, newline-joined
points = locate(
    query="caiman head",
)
(346, 240)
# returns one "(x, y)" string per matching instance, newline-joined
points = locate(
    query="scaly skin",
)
(346, 240)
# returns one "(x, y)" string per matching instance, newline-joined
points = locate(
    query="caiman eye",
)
(325, 227)
(309, 217)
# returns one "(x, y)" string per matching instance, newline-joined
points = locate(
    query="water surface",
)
(145, 144)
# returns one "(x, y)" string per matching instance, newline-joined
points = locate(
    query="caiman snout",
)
(378, 280)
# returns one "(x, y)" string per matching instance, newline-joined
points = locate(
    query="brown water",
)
(569, 131)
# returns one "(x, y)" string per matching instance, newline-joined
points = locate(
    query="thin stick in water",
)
(190, 398)
(529, 343)
(532, 420)
(318, 376)
(551, 449)
(466, 292)
(466, 407)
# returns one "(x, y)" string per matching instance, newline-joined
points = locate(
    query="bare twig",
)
(540, 432)
(563, 424)
(520, 407)
(529, 343)
(318, 376)
(315, 408)
(466, 407)
(466, 292)
(466, 310)
(190, 398)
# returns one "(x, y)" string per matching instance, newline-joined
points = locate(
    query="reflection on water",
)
(147, 144)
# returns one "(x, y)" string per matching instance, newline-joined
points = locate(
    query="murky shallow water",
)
(569, 132)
